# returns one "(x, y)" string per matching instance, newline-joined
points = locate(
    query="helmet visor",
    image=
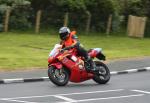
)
(63, 36)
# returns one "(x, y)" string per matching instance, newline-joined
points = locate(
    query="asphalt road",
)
(125, 88)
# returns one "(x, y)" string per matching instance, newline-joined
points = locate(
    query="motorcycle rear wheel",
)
(59, 77)
(104, 74)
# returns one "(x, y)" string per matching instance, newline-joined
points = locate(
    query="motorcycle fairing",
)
(94, 52)
(77, 74)
(97, 52)
(58, 65)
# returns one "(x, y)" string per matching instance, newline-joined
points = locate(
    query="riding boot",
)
(91, 63)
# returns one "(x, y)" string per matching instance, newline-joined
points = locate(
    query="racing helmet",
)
(64, 33)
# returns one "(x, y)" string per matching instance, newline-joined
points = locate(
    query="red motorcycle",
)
(68, 66)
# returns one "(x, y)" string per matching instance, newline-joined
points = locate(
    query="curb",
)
(130, 71)
(23, 80)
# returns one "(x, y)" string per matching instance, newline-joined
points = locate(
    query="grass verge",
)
(23, 50)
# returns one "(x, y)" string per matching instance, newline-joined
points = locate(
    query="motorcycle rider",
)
(69, 40)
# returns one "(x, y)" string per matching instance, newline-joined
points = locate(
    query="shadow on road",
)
(80, 85)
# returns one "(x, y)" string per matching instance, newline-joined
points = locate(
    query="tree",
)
(18, 18)
(80, 11)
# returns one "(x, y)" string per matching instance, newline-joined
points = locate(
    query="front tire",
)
(104, 74)
(59, 77)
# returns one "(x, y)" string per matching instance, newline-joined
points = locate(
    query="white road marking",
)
(45, 77)
(132, 70)
(65, 98)
(141, 91)
(113, 72)
(129, 70)
(148, 68)
(117, 90)
(69, 100)
(95, 99)
(14, 80)
(19, 101)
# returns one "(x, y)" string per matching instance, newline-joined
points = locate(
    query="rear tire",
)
(104, 74)
(59, 79)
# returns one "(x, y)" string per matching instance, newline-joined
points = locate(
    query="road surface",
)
(125, 88)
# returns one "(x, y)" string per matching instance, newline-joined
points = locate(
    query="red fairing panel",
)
(77, 75)
(57, 65)
(50, 59)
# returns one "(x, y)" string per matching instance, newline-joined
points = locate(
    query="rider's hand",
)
(62, 50)
(67, 48)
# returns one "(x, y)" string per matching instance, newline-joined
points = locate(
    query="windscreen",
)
(55, 50)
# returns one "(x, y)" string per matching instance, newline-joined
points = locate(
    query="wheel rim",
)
(59, 75)
(102, 72)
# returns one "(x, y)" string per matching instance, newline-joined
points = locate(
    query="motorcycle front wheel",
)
(103, 75)
(59, 77)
